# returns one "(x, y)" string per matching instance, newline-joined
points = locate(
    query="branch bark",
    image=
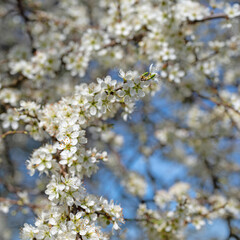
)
(26, 21)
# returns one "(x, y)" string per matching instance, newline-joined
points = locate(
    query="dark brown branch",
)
(26, 21)
(231, 230)
(224, 104)
(211, 17)
(214, 178)
(14, 83)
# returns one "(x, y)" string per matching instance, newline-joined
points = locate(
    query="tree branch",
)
(209, 18)
(13, 132)
(26, 21)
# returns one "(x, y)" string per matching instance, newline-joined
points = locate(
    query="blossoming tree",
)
(97, 97)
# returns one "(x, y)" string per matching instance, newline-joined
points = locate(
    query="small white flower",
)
(10, 119)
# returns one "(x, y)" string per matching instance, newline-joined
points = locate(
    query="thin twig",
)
(13, 132)
(209, 18)
(20, 203)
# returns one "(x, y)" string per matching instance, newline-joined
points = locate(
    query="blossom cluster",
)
(177, 209)
(67, 161)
